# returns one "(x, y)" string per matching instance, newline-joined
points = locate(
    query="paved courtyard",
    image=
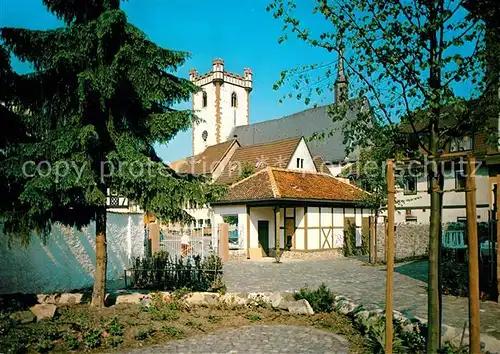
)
(361, 283)
(256, 339)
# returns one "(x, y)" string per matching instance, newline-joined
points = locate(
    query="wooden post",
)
(391, 206)
(472, 245)
(277, 230)
(373, 241)
(498, 237)
(224, 242)
(154, 236)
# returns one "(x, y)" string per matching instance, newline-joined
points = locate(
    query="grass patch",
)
(253, 317)
(173, 331)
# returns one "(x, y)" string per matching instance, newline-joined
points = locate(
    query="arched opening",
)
(234, 100)
(204, 99)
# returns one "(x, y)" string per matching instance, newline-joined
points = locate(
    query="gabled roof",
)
(276, 183)
(204, 163)
(320, 165)
(305, 123)
(259, 156)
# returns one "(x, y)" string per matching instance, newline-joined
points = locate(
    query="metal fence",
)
(202, 246)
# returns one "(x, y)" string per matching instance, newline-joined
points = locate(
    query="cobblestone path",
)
(256, 339)
(361, 283)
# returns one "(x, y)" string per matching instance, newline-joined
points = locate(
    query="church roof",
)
(276, 183)
(304, 123)
(204, 163)
(259, 156)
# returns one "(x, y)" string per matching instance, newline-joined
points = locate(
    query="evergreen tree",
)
(101, 95)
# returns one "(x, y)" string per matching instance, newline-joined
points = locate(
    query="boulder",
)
(300, 307)
(265, 297)
(48, 298)
(134, 298)
(237, 299)
(70, 299)
(201, 299)
(42, 311)
(347, 307)
(23, 317)
(281, 300)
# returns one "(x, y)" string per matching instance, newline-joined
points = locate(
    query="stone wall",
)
(67, 260)
(411, 240)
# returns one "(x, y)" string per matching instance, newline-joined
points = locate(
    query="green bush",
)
(115, 328)
(455, 279)
(144, 333)
(162, 272)
(92, 338)
(163, 311)
(114, 341)
(321, 299)
(44, 346)
(349, 245)
(173, 331)
(71, 341)
(252, 317)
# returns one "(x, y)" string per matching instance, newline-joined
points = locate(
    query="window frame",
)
(234, 97)
(457, 188)
(204, 99)
(459, 143)
(406, 190)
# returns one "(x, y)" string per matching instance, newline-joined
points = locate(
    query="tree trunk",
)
(433, 307)
(99, 292)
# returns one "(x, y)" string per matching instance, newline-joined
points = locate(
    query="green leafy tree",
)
(408, 59)
(100, 96)
(246, 171)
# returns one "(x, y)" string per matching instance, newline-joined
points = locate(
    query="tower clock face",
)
(204, 135)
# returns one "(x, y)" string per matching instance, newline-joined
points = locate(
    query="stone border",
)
(283, 301)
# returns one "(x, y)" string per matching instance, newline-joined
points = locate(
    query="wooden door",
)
(263, 232)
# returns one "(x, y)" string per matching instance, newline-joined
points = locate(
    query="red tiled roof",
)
(274, 183)
(205, 162)
(320, 165)
(259, 156)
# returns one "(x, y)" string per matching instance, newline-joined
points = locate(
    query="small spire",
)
(341, 83)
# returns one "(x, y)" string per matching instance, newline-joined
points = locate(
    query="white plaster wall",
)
(299, 239)
(207, 114)
(302, 152)
(67, 261)
(230, 116)
(262, 213)
(312, 239)
(241, 211)
(312, 217)
(299, 217)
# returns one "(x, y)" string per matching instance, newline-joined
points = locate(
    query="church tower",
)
(341, 83)
(222, 104)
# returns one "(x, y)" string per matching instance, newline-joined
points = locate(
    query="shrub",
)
(114, 341)
(71, 341)
(455, 279)
(349, 245)
(173, 331)
(166, 273)
(44, 346)
(321, 299)
(213, 319)
(115, 328)
(163, 311)
(252, 317)
(144, 333)
(92, 338)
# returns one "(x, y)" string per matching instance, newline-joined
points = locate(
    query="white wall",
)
(453, 202)
(262, 213)
(67, 261)
(241, 211)
(230, 116)
(302, 152)
(207, 114)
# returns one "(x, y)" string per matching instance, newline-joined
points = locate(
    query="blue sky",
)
(241, 32)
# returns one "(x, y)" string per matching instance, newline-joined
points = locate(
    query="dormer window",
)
(204, 99)
(234, 100)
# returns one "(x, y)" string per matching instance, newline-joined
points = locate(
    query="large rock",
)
(347, 307)
(201, 299)
(70, 299)
(42, 311)
(134, 298)
(281, 300)
(260, 297)
(48, 298)
(23, 317)
(235, 299)
(300, 307)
